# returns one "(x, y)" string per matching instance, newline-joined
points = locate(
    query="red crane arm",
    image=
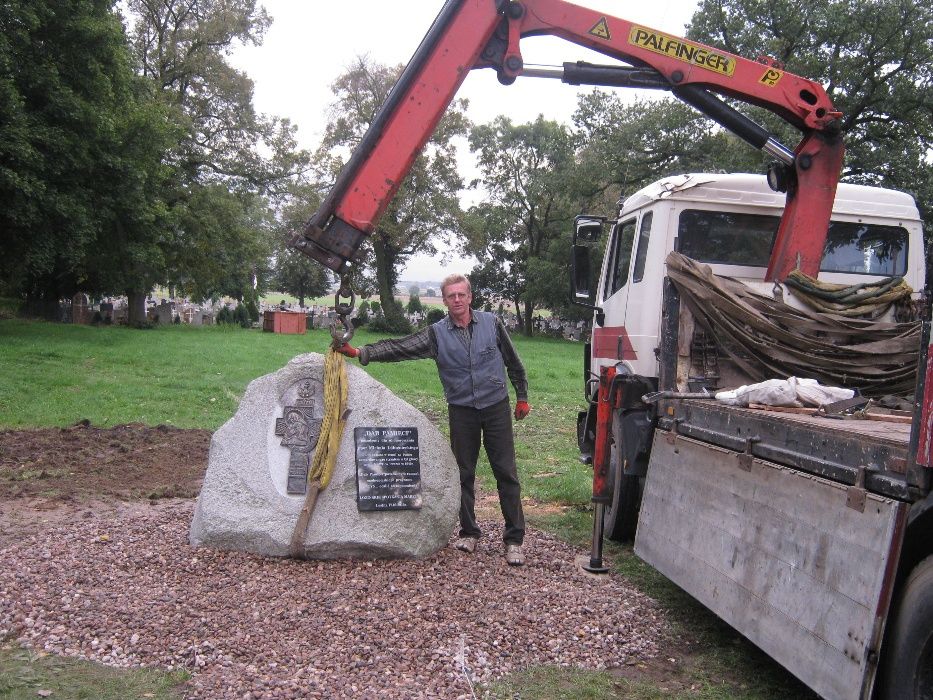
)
(484, 33)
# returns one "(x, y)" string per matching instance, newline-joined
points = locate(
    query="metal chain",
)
(341, 337)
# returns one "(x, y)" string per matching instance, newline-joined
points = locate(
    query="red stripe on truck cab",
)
(612, 342)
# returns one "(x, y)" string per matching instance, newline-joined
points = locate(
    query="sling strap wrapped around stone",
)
(325, 456)
(766, 338)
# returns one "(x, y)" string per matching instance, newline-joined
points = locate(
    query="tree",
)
(181, 48)
(293, 272)
(875, 58)
(425, 209)
(299, 276)
(226, 241)
(81, 151)
(528, 171)
(623, 147)
(414, 305)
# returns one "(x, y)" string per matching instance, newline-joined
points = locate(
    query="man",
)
(473, 353)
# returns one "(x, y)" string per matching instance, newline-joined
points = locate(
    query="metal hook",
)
(341, 338)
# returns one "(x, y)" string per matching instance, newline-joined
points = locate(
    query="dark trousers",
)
(493, 427)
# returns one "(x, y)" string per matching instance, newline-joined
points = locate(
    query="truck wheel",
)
(908, 669)
(620, 518)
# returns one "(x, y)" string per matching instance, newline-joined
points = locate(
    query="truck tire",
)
(908, 660)
(620, 518)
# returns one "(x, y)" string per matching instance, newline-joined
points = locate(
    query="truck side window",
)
(641, 252)
(868, 249)
(730, 238)
(727, 237)
(621, 257)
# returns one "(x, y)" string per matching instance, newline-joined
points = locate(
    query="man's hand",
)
(522, 409)
(348, 350)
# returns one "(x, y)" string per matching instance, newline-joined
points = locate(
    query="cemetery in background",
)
(282, 317)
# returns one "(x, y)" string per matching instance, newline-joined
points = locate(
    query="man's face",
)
(457, 298)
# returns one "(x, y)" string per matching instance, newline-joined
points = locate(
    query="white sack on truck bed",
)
(793, 391)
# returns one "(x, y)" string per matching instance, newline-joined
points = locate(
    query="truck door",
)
(643, 306)
(611, 342)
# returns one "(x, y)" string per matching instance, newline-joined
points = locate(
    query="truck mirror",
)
(580, 273)
(587, 228)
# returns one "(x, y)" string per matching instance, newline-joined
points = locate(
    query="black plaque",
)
(388, 470)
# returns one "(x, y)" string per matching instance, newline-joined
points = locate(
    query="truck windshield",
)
(730, 238)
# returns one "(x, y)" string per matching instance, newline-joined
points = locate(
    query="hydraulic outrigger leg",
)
(602, 495)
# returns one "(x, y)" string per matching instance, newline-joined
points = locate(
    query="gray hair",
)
(455, 278)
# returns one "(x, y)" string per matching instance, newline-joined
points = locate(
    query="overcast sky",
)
(311, 42)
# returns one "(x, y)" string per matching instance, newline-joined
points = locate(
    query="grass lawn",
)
(25, 675)
(56, 375)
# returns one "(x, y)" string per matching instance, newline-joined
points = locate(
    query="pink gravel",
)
(128, 590)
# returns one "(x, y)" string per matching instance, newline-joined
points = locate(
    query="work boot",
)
(513, 555)
(466, 544)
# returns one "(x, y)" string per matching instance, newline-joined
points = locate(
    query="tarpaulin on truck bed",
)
(767, 338)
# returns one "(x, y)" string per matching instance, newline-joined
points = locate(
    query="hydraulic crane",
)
(469, 34)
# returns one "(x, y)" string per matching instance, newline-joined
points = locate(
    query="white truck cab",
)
(729, 221)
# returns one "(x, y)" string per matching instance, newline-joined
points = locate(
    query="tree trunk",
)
(136, 308)
(529, 319)
(385, 279)
(519, 319)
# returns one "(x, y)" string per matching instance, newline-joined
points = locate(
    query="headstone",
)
(106, 311)
(80, 308)
(163, 314)
(245, 502)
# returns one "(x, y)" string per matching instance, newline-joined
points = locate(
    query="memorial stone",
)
(250, 501)
(163, 313)
(80, 309)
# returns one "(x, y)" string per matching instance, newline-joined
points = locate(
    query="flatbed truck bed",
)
(872, 454)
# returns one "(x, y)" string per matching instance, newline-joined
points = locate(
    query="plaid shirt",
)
(423, 345)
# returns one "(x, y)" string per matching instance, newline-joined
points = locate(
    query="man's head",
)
(453, 278)
(457, 296)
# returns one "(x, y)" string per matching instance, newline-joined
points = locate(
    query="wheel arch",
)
(918, 543)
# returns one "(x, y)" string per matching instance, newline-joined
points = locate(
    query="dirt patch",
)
(487, 506)
(82, 462)
(52, 476)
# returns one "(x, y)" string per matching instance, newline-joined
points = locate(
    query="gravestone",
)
(253, 490)
(80, 309)
(106, 310)
(163, 313)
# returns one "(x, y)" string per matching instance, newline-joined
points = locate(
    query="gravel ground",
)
(125, 589)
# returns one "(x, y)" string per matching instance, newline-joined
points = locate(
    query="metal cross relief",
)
(300, 432)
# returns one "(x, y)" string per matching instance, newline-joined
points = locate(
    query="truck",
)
(805, 530)
(807, 534)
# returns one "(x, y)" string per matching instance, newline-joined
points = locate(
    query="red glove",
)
(522, 409)
(348, 350)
